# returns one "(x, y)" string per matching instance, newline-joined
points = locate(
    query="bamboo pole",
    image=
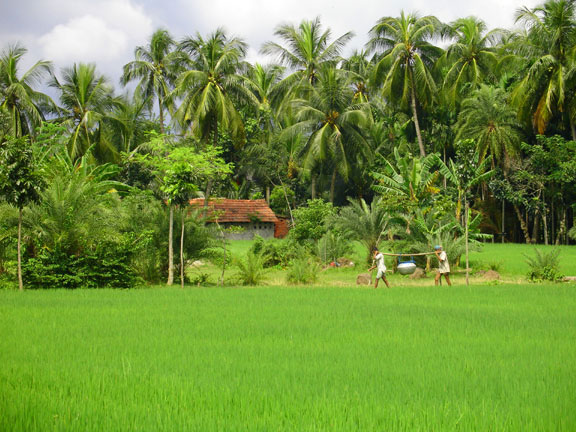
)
(408, 254)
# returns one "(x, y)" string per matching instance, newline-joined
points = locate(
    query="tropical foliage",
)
(432, 132)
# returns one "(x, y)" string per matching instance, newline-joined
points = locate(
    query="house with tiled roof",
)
(253, 217)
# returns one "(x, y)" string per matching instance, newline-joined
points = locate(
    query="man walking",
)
(379, 264)
(443, 266)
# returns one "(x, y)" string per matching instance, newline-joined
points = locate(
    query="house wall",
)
(263, 229)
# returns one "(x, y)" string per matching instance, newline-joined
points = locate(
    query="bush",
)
(107, 266)
(303, 270)
(251, 269)
(278, 202)
(333, 246)
(544, 266)
(310, 223)
(277, 252)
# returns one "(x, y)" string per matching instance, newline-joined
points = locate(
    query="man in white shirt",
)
(381, 266)
(443, 266)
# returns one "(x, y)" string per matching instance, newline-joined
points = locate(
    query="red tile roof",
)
(238, 210)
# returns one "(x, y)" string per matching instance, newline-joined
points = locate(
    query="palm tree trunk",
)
(415, 114)
(572, 128)
(466, 239)
(170, 280)
(287, 201)
(313, 187)
(333, 186)
(161, 111)
(503, 219)
(20, 283)
(182, 252)
(268, 194)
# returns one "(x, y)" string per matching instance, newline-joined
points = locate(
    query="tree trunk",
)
(170, 280)
(545, 220)
(572, 128)
(182, 252)
(503, 218)
(20, 283)
(287, 200)
(466, 238)
(313, 187)
(221, 280)
(208, 192)
(536, 227)
(523, 224)
(161, 111)
(268, 194)
(415, 114)
(333, 186)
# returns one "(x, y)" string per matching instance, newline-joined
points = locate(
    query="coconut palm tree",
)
(471, 60)
(550, 45)
(307, 47)
(405, 60)
(487, 119)
(25, 105)
(333, 124)
(213, 88)
(156, 67)
(359, 63)
(86, 98)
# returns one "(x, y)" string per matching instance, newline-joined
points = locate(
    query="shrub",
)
(251, 269)
(278, 202)
(303, 270)
(106, 266)
(572, 233)
(333, 246)
(277, 252)
(544, 266)
(310, 223)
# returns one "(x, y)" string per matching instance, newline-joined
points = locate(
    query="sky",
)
(106, 32)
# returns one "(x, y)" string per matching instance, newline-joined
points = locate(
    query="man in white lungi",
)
(379, 264)
(443, 266)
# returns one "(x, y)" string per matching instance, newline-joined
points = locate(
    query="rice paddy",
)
(489, 357)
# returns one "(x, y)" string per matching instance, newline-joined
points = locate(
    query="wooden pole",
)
(408, 254)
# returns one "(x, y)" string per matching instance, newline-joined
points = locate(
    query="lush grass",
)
(512, 257)
(275, 358)
(508, 259)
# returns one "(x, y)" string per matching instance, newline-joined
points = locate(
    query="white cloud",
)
(107, 32)
(84, 39)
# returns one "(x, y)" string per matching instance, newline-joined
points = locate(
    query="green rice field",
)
(277, 358)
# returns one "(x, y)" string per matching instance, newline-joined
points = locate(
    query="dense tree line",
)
(430, 119)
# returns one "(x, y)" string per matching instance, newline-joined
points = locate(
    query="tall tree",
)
(307, 47)
(406, 58)
(20, 183)
(491, 122)
(26, 106)
(86, 98)
(333, 124)
(549, 45)
(471, 60)
(156, 67)
(213, 88)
